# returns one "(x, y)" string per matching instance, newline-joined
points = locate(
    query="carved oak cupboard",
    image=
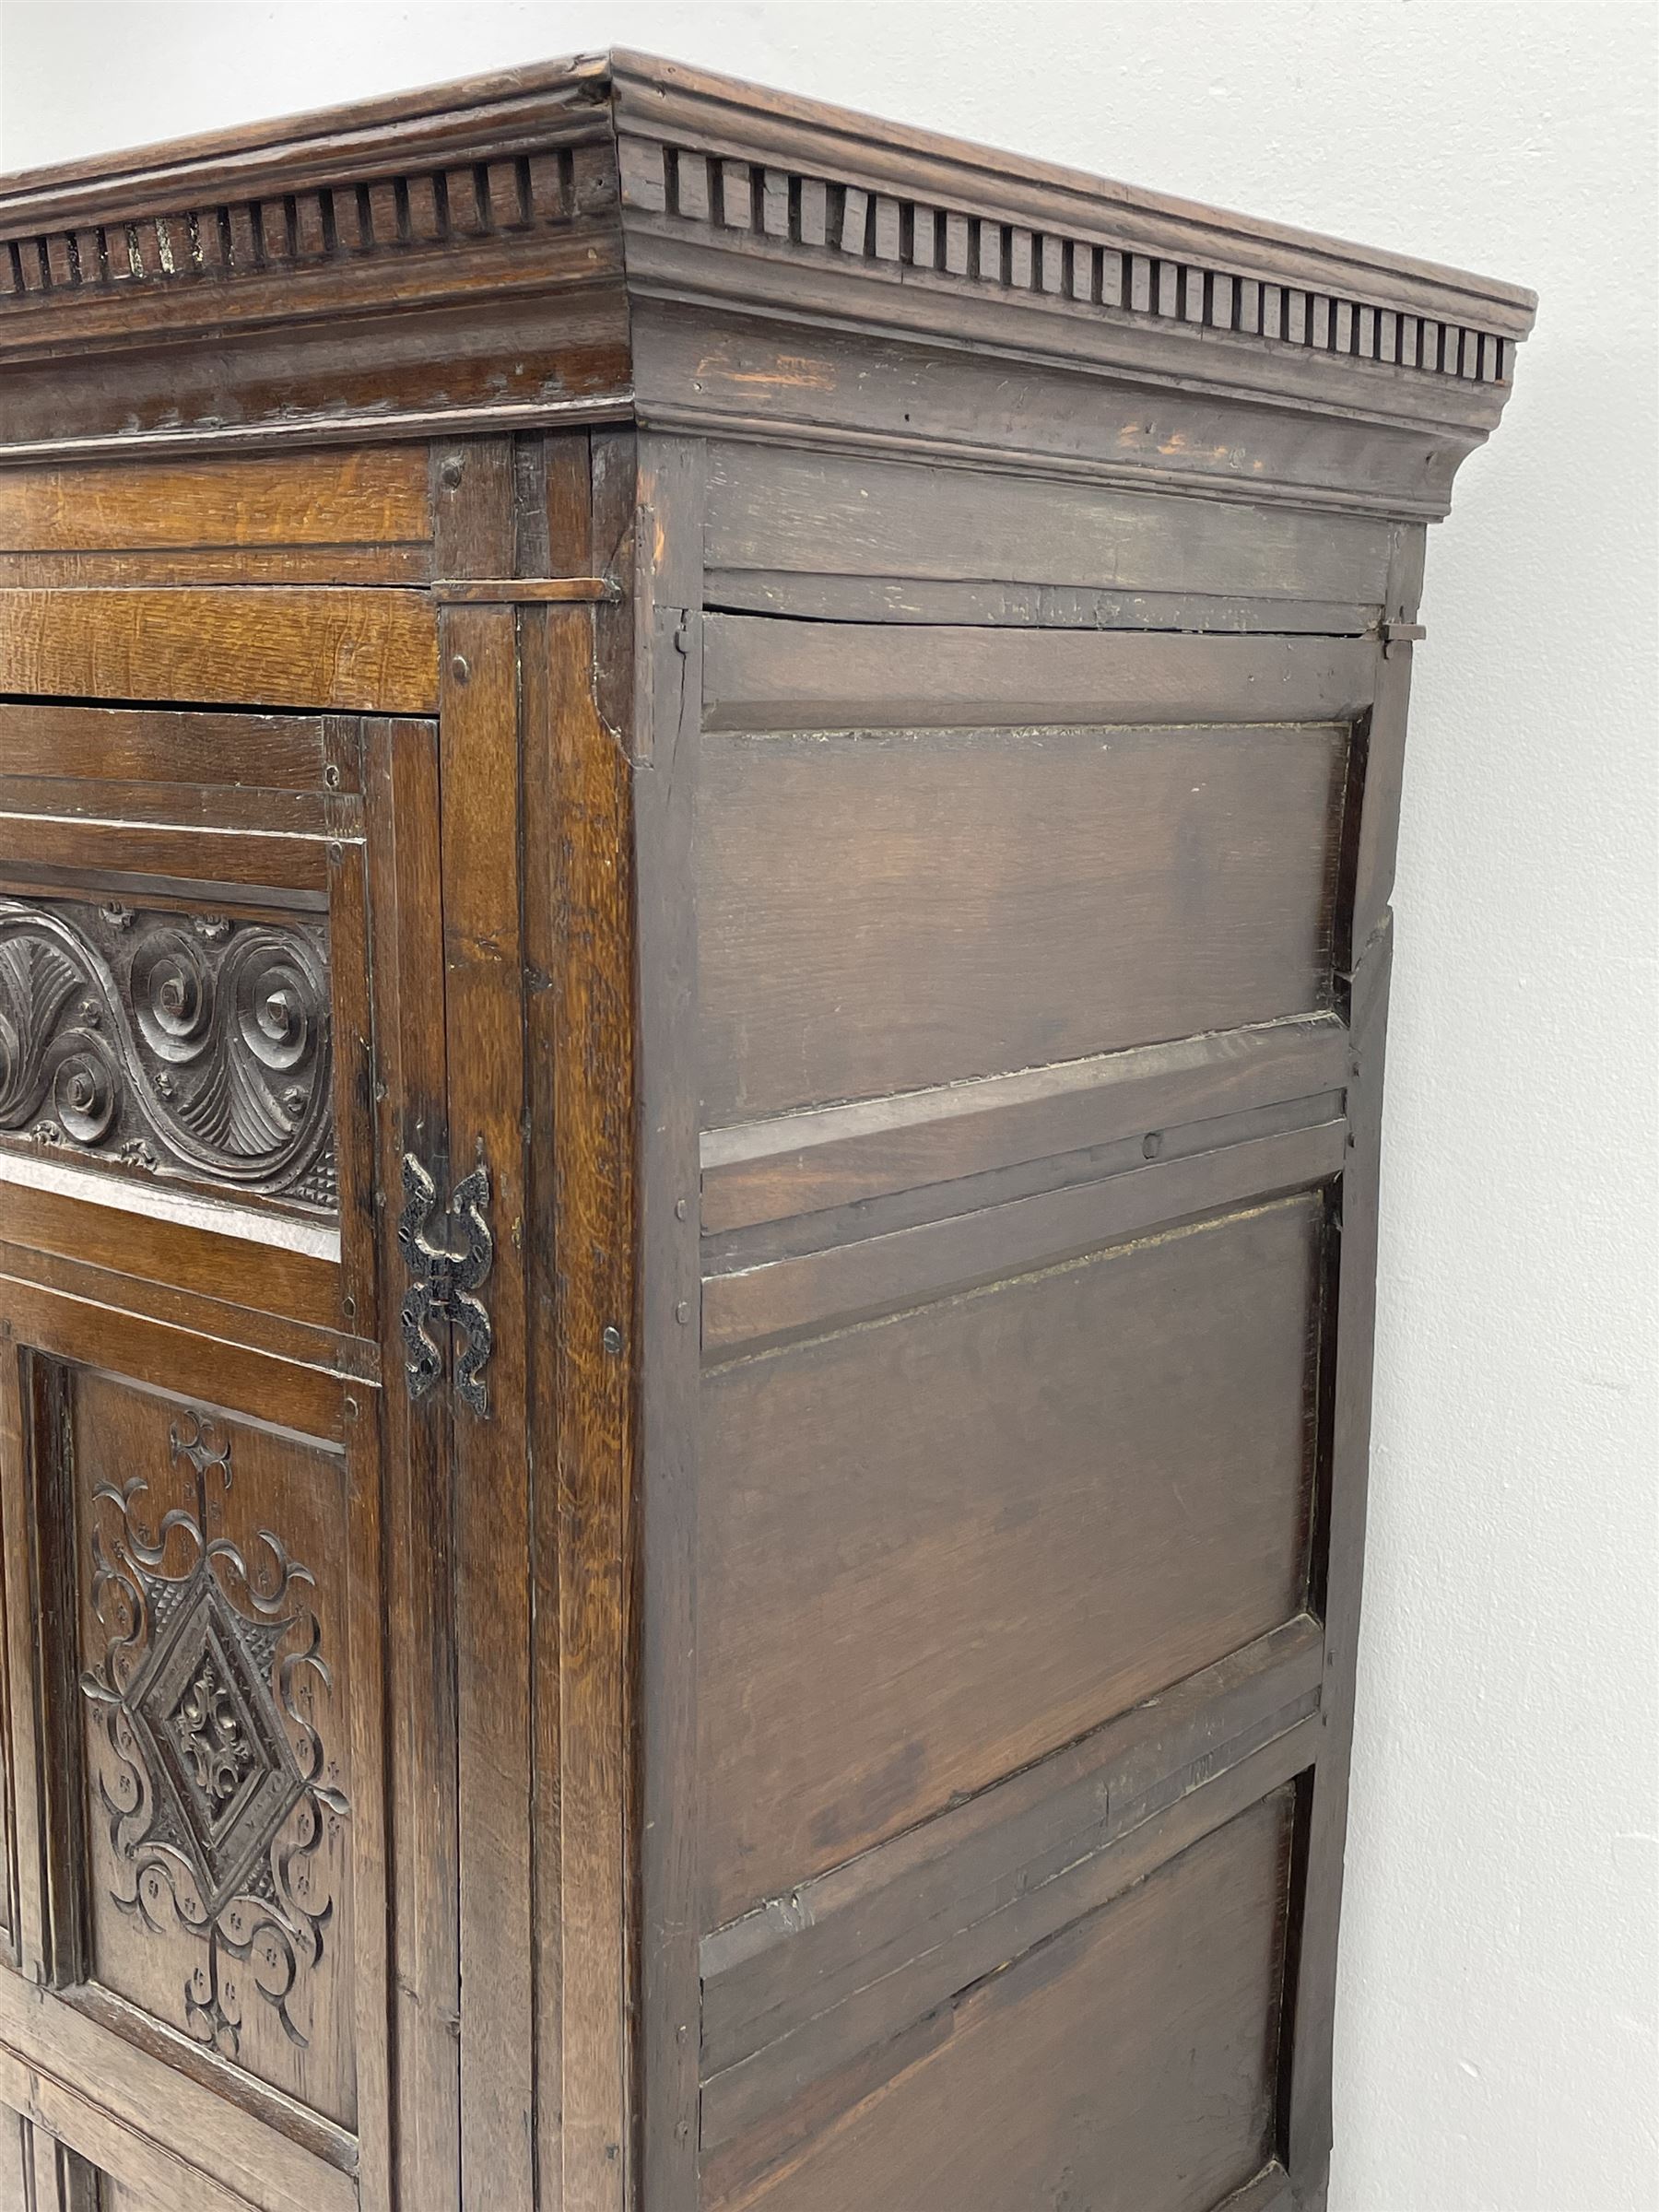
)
(697, 803)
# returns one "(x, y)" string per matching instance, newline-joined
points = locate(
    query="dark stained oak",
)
(1147, 2035)
(803, 1163)
(813, 517)
(698, 806)
(783, 677)
(783, 1986)
(305, 2045)
(883, 911)
(869, 1651)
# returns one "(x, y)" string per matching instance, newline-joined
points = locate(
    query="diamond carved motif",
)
(213, 1734)
(214, 1741)
(210, 1727)
(214, 1785)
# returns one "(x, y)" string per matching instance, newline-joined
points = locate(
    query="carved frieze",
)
(213, 1782)
(185, 1044)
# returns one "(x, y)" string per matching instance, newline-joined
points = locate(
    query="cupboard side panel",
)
(936, 1548)
(1002, 1466)
(878, 913)
(1126, 2064)
(778, 516)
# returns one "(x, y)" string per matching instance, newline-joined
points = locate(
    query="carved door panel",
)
(220, 1028)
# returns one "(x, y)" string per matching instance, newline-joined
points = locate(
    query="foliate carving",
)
(212, 1731)
(188, 1044)
(214, 1784)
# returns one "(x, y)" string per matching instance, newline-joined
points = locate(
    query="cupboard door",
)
(221, 1025)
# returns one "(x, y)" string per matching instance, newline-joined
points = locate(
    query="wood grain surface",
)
(877, 913)
(1053, 1498)
(1146, 2036)
(282, 646)
(827, 708)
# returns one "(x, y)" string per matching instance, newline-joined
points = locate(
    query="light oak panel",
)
(265, 1264)
(143, 2120)
(376, 496)
(276, 646)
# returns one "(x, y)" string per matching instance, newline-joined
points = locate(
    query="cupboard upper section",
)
(622, 237)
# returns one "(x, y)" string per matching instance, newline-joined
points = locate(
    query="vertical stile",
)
(401, 790)
(478, 749)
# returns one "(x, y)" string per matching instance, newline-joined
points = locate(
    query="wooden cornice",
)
(510, 182)
(325, 144)
(783, 204)
(357, 268)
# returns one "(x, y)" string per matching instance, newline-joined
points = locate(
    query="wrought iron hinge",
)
(1400, 633)
(446, 1277)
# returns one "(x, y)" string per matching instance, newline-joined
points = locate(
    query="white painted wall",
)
(1498, 2026)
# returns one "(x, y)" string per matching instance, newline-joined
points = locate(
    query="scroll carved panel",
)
(216, 1793)
(170, 1043)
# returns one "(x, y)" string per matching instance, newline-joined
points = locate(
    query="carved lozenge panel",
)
(170, 1043)
(217, 1792)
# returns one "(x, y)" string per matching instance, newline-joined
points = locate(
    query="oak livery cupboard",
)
(697, 803)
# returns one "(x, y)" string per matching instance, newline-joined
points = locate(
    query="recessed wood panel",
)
(1127, 2064)
(882, 912)
(168, 2187)
(116, 2196)
(824, 514)
(769, 675)
(793, 1991)
(211, 1567)
(936, 1548)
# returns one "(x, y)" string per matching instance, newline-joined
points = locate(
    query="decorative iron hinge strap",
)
(446, 1279)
